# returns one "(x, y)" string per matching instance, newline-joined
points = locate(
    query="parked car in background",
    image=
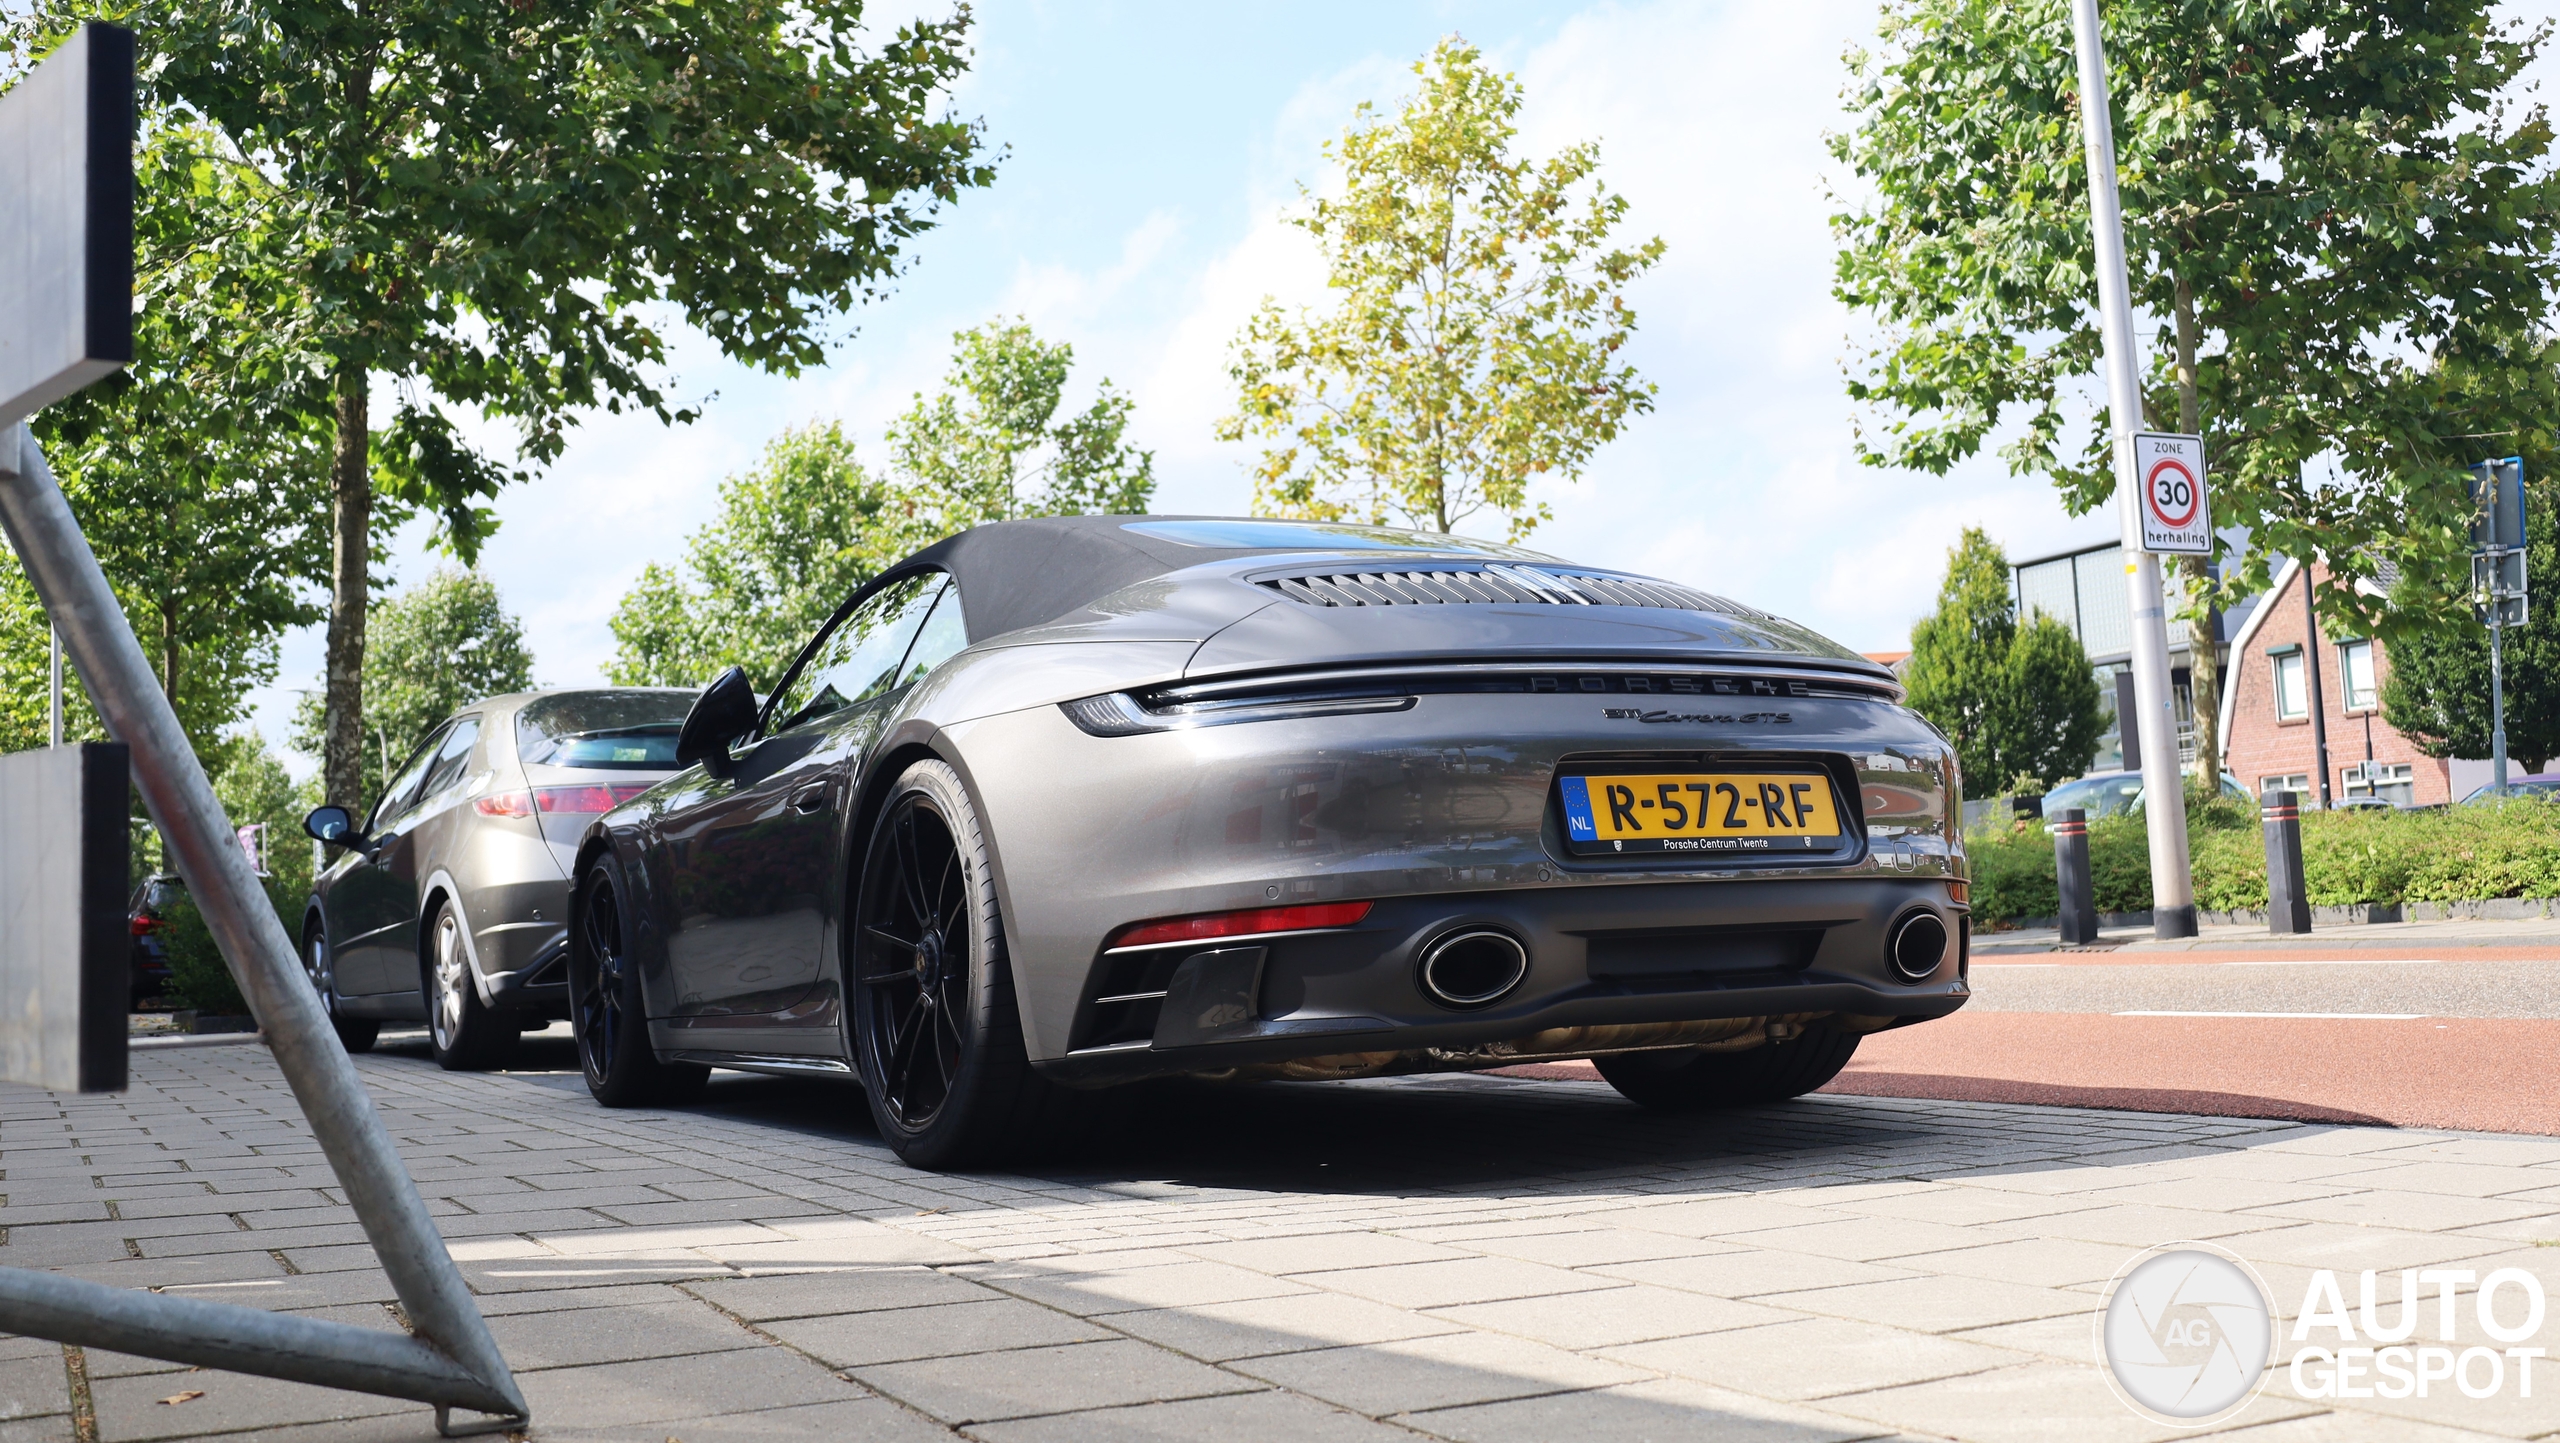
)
(2544, 786)
(146, 919)
(1068, 802)
(448, 904)
(2107, 794)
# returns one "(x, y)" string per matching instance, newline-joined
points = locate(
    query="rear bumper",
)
(541, 985)
(1812, 950)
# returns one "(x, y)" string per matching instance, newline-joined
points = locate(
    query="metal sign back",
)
(2497, 498)
(66, 221)
(65, 963)
(2176, 518)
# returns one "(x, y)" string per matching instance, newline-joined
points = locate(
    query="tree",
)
(2018, 702)
(2342, 231)
(1475, 343)
(482, 203)
(795, 536)
(983, 441)
(809, 524)
(2436, 692)
(437, 647)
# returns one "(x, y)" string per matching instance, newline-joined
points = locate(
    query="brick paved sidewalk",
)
(1463, 1258)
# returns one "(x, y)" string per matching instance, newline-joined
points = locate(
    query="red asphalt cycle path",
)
(2467, 1073)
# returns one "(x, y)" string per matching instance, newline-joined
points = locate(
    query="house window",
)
(2355, 675)
(2393, 782)
(2291, 701)
(2298, 783)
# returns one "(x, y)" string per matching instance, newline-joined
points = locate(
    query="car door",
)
(367, 910)
(748, 865)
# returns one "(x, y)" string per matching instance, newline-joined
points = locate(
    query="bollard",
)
(2288, 908)
(2078, 914)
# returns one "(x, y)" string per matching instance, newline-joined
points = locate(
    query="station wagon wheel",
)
(606, 1009)
(935, 1031)
(356, 1034)
(466, 1033)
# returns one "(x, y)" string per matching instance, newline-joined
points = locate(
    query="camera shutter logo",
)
(2186, 1332)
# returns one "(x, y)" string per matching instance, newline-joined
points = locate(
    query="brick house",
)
(2274, 686)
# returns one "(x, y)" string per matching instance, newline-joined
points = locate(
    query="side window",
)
(943, 636)
(452, 759)
(404, 784)
(859, 659)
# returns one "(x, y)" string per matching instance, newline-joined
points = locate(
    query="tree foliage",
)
(809, 523)
(986, 445)
(796, 534)
(485, 203)
(2017, 701)
(437, 647)
(2436, 692)
(2337, 218)
(1474, 343)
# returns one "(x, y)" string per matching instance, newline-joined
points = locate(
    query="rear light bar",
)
(142, 926)
(559, 801)
(1252, 920)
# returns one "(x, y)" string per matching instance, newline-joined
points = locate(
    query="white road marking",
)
(2310, 1016)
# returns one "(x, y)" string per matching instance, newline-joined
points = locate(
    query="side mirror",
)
(724, 712)
(334, 826)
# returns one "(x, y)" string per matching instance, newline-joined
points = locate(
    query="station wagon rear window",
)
(608, 730)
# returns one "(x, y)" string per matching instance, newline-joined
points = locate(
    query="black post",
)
(2288, 906)
(2078, 913)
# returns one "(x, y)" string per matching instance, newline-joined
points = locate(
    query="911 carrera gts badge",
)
(1748, 718)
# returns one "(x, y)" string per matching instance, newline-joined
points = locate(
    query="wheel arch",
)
(902, 748)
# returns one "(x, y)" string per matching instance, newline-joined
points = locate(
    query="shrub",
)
(2455, 854)
(198, 977)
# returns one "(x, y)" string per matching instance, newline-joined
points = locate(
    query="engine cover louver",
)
(1482, 585)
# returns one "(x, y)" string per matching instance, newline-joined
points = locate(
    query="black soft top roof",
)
(1015, 574)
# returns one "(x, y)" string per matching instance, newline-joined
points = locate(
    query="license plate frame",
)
(1816, 822)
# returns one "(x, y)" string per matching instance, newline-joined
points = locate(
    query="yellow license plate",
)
(1700, 812)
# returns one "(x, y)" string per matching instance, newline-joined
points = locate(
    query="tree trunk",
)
(342, 766)
(2203, 647)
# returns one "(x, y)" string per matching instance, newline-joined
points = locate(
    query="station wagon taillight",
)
(597, 797)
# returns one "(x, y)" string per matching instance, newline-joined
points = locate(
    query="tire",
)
(356, 1034)
(467, 1035)
(606, 1006)
(1696, 1081)
(937, 1035)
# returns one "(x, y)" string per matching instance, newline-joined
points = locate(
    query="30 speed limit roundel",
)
(2170, 512)
(2170, 490)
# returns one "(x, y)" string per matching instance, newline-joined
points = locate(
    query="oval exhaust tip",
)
(1918, 945)
(1474, 967)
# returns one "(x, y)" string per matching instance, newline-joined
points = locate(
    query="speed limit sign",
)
(2169, 471)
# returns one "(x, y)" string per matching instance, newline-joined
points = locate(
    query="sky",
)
(1148, 153)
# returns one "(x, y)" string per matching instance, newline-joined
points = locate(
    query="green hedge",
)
(198, 977)
(2457, 854)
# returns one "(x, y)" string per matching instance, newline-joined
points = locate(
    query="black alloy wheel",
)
(606, 1008)
(935, 1032)
(356, 1034)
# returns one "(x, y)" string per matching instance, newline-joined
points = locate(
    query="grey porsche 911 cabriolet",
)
(1061, 803)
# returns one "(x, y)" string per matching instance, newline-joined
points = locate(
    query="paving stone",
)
(1936, 1305)
(675, 1390)
(49, 1428)
(1660, 1411)
(1323, 1252)
(945, 1330)
(2036, 1262)
(1071, 1378)
(1456, 1280)
(2020, 1404)
(1188, 1283)
(533, 1341)
(1219, 1332)
(1812, 1359)
(129, 1409)
(1257, 1417)
(1747, 1274)
(1439, 1372)
(1594, 1246)
(1633, 1314)
(852, 1290)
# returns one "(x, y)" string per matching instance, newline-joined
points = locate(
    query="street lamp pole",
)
(2173, 898)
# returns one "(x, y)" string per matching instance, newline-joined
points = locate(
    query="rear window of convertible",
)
(612, 730)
